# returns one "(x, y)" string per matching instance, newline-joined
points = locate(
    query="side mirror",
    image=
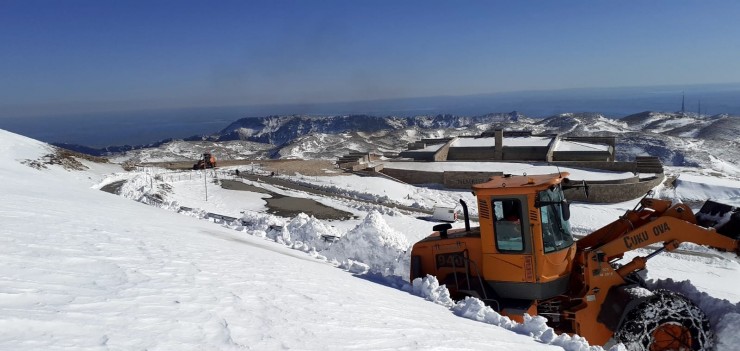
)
(566, 209)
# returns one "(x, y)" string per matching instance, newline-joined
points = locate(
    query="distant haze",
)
(143, 127)
(80, 56)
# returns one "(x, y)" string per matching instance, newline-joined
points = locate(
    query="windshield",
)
(555, 229)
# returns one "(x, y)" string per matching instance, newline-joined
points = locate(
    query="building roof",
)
(474, 142)
(527, 141)
(508, 141)
(569, 145)
(507, 167)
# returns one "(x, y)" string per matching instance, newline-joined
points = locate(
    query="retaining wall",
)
(525, 153)
(611, 193)
(488, 153)
(415, 177)
(600, 191)
(464, 180)
(603, 165)
(418, 155)
(587, 156)
(471, 153)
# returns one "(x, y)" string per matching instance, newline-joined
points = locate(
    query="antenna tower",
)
(699, 112)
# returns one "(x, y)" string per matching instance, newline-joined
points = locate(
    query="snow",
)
(693, 187)
(508, 141)
(431, 148)
(604, 124)
(474, 142)
(673, 123)
(84, 269)
(376, 243)
(566, 145)
(471, 308)
(527, 141)
(510, 168)
(385, 190)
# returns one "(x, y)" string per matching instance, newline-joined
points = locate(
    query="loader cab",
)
(527, 247)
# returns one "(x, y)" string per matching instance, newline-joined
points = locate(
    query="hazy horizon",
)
(80, 56)
(100, 129)
(692, 93)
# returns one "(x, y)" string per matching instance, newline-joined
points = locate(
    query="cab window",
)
(507, 224)
(555, 228)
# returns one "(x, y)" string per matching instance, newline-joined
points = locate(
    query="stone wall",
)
(601, 191)
(486, 153)
(580, 156)
(443, 152)
(418, 155)
(603, 165)
(611, 193)
(630, 180)
(525, 153)
(415, 177)
(464, 180)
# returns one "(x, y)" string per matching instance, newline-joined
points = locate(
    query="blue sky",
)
(110, 55)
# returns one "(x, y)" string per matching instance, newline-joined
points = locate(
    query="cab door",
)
(507, 245)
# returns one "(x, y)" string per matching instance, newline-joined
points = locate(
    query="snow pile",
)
(689, 187)
(307, 231)
(145, 188)
(372, 247)
(384, 191)
(535, 327)
(389, 211)
(723, 315)
(264, 225)
(473, 308)
(374, 243)
(430, 289)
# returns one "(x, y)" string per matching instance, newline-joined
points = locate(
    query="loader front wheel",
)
(665, 321)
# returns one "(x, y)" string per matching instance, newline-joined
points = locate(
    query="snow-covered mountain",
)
(278, 130)
(677, 139)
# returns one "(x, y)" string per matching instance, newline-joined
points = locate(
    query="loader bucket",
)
(724, 218)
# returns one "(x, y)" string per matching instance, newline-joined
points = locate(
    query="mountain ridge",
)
(678, 139)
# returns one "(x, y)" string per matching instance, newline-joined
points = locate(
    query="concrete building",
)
(459, 162)
(355, 161)
(513, 146)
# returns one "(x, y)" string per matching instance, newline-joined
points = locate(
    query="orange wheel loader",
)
(208, 161)
(524, 259)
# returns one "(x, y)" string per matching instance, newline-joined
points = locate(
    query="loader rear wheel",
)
(665, 321)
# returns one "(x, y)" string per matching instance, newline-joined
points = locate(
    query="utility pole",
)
(683, 103)
(205, 176)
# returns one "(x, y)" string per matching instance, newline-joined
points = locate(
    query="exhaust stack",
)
(465, 213)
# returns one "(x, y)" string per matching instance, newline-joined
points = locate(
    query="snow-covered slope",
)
(84, 269)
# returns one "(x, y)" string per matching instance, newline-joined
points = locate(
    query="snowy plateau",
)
(83, 269)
